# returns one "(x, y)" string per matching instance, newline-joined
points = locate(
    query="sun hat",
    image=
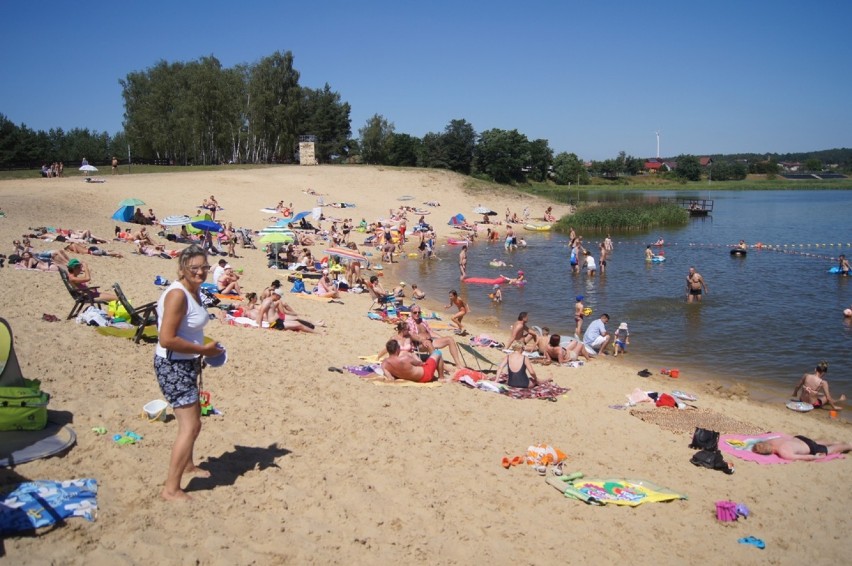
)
(227, 266)
(579, 297)
(73, 263)
(402, 283)
(325, 271)
(622, 326)
(496, 286)
(278, 292)
(520, 272)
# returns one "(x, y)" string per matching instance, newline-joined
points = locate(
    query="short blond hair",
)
(763, 448)
(517, 346)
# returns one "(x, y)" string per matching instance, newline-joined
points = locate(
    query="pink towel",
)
(739, 445)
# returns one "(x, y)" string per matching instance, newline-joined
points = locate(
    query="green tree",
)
(813, 164)
(327, 118)
(727, 171)
(432, 152)
(541, 160)
(374, 140)
(688, 168)
(568, 169)
(502, 155)
(403, 150)
(274, 109)
(459, 142)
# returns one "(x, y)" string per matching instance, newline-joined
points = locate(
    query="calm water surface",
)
(767, 318)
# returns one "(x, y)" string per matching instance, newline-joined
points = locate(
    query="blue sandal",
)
(753, 541)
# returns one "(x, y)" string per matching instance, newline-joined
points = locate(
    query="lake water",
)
(766, 319)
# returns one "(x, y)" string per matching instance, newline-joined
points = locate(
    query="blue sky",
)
(593, 78)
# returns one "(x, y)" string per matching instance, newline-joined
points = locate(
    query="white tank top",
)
(191, 326)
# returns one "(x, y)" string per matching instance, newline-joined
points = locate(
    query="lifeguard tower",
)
(307, 150)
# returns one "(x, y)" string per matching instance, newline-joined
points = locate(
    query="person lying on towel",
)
(800, 448)
(407, 366)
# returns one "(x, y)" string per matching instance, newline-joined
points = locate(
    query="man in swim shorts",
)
(409, 367)
(694, 285)
(800, 448)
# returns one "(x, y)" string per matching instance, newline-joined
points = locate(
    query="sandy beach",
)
(311, 466)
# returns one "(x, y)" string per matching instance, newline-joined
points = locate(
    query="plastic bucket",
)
(156, 410)
(675, 373)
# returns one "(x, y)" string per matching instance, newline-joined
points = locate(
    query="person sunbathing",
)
(52, 256)
(251, 307)
(76, 248)
(409, 367)
(325, 288)
(266, 293)
(150, 249)
(800, 448)
(29, 262)
(813, 387)
(403, 338)
(555, 352)
(228, 283)
(422, 334)
(281, 316)
(80, 276)
(517, 368)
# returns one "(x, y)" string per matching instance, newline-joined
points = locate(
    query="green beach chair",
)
(491, 366)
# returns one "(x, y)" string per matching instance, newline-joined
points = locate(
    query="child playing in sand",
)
(622, 339)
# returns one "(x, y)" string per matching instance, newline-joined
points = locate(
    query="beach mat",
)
(739, 445)
(404, 383)
(35, 504)
(19, 446)
(150, 332)
(687, 420)
(613, 491)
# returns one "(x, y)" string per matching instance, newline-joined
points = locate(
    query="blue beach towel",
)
(42, 503)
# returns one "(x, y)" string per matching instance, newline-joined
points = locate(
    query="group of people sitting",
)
(140, 217)
(269, 307)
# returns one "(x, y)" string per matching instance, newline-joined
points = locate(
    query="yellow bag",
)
(116, 310)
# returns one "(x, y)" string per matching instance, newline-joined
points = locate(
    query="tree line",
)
(199, 112)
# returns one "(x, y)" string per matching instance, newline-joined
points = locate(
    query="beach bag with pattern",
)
(23, 408)
(544, 454)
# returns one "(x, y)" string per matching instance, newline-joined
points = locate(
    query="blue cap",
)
(579, 297)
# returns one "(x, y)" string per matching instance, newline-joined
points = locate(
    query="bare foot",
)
(197, 472)
(179, 495)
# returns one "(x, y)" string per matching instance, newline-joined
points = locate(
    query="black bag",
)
(208, 299)
(711, 459)
(703, 439)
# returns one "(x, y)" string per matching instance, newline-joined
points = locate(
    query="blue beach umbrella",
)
(296, 218)
(207, 226)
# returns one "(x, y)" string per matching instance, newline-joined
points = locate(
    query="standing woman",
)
(181, 317)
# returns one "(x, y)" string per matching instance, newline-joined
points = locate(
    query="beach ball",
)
(587, 311)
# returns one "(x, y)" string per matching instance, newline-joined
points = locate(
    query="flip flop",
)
(338, 370)
(753, 541)
(506, 462)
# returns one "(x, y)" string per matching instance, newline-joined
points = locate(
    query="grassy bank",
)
(624, 216)
(572, 194)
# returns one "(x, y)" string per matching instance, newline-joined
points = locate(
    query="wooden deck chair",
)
(81, 297)
(490, 366)
(10, 370)
(140, 317)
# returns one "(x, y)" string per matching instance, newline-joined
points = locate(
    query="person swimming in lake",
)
(813, 387)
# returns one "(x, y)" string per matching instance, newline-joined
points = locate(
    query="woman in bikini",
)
(813, 386)
(403, 338)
